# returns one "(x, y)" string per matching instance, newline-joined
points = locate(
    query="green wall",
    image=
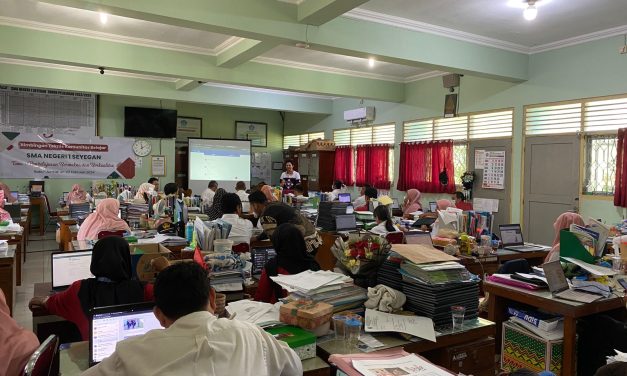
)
(585, 70)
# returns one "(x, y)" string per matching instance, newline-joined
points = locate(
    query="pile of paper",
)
(23, 198)
(208, 231)
(436, 272)
(410, 365)
(347, 296)
(165, 240)
(310, 282)
(262, 314)
(131, 211)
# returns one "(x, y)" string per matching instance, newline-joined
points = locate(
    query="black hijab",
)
(113, 285)
(291, 254)
(215, 211)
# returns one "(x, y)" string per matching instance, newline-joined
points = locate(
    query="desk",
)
(535, 258)
(7, 274)
(502, 295)
(73, 360)
(39, 201)
(66, 234)
(16, 238)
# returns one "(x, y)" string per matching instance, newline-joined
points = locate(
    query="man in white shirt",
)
(240, 189)
(207, 194)
(337, 189)
(361, 200)
(194, 341)
(242, 229)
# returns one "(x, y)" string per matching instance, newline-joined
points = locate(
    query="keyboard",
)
(577, 296)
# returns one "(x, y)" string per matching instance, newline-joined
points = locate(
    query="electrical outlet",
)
(623, 50)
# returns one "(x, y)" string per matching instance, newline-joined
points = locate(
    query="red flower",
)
(361, 253)
(353, 252)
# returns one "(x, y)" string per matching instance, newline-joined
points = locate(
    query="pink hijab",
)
(444, 204)
(4, 215)
(16, 343)
(7, 193)
(412, 201)
(267, 190)
(78, 194)
(105, 218)
(562, 222)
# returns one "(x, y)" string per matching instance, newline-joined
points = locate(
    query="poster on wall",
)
(257, 133)
(27, 155)
(187, 127)
(494, 170)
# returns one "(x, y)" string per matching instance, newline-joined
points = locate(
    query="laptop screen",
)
(259, 257)
(433, 207)
(65, 196)
(555, 277)
(395, 204)
(68, 267)
(511, 235)
(419, 237)
(344, 197)
(15, 194)
(109, 325)
(345, 222)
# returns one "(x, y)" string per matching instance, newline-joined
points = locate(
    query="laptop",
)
(344, 197)
(345, 222)
(67, 267)
(15, 194)
(259, 257)
(512, 238)
(419, 237)
(558, 285)
(15, 211)
(433, 206)
(109, 325)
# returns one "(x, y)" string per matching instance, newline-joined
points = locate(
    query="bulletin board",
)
(261, 167)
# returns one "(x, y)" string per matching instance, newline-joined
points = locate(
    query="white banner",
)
(26, 155)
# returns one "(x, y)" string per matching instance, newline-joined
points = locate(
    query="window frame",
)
(309, 137)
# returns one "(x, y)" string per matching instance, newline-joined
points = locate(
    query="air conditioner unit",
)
(360, 115)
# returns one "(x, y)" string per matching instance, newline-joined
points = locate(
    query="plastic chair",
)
(396, 237)
(241, 248)
(45, 360)
(104, 234)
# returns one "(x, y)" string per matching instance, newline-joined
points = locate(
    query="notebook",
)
(67, 267)
(109, 325)
(512, 238)
(558, 285)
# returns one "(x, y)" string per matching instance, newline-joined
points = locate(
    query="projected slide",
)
(225, 161)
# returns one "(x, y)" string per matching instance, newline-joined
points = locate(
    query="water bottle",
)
(189, 231)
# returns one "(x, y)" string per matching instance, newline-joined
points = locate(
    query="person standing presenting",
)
(289, 177)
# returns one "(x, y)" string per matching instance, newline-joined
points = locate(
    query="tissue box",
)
(523, 349)
(299, 340)
(141, 255)
(306, 313)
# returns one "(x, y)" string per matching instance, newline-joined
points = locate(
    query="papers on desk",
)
(418, 326)
(4, 244)
(410, 365)
(421, 254)
(619, 357)
(309, 281)
(593, 269)
(165, 240)
(259, 313)
(11, 227)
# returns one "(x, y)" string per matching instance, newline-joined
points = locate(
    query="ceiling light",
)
(371, 62)
(104, 18)
(531, 12)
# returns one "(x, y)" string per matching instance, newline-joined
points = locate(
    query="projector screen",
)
(225, 161)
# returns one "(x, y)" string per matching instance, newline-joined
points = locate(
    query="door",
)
(503, 195)
(551, 184)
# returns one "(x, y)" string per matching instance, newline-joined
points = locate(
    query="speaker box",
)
(450, 80)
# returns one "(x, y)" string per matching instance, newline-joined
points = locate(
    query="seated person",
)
(561, 223)
(7, 193)
(112, 284)
(104, 218)
(215, 211)
(337, 189)
(242, 229)
(207, 195)
(411, 204)
(383, 220)
(613, 369)
(361, 200)
(16, 343)
(77, 195)
(194, 341)
(444, 204)
(299, 193)
(155, 183)
(461, 203)
(4, 215)
(291, 258)
(240, 189)
(370, 194)
(144, 192)
(163, 206)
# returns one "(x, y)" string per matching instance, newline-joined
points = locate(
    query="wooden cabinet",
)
(476, 357)
(315, 168)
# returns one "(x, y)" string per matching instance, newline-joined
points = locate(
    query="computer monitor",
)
(259, 257)
(345, 222)
(344, 197)
(67, 267)
(36, 187)
(395, 204)
(433, 207)
(109, 325)
(15, 194)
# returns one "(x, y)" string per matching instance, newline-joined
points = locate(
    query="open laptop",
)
(15, 194)
(395, 204)
(15, 211)
(109, 325)
(345, 222)
(67, 267)
(433, 206)
(512, 238)
(344, 197)
(558, 285)
(259, 257)
(419, 237)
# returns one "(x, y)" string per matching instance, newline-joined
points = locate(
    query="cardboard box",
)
(521, 348)
(141, 255)
(299, 340)
(306, 313)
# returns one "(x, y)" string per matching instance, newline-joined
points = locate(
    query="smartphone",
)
(623, 283)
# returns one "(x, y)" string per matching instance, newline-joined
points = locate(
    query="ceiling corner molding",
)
(367, 15)
(268, 91)
(424, 76)
(591, 37)
(232, 41)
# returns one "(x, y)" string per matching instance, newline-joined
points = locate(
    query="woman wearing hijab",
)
(269, 192)
(7, 193)
(412, 202)
(77, 194)
(291, 258)
(144, 190)
(4, 215)
(278, 213)
(16, 343)
(215, 211)
(562, 222)
(105, 218)
(444, 204)
(112, 284)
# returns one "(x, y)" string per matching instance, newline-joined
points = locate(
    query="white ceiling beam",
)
(318, 12)
(186, 85)
(243, 51)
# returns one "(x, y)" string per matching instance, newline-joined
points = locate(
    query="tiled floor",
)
(36, 269)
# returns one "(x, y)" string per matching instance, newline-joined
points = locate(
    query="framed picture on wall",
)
(256, 132)
(157, 165)
(187, 127)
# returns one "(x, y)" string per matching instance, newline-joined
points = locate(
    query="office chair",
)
(241, 248)
(105, 233)
(396, 237)
(52, 215)
(45, 360)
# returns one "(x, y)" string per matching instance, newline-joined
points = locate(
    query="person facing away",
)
(104, 218)
(443, 204)
(144, 192)
(7, 193)
(16, 343)
(208, 194)
(194, 341)
(460, 201)
(241, 229)
(370, 194)
(361, 200)
(383, 220)
(291, 258)
(561, 223)
(240, 189)
(411, 204)
(269, 193)
(112, 284)
(215, 211)
(76, 195)
(337, 189)
(4, 215)
(299, 193)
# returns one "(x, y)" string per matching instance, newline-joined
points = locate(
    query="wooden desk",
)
(26, 211)
(324, 256)
(7, 274)
(535, 258)
(66, 235)
(73, 360)
(39, 201)
(501, 296)
(16, 238)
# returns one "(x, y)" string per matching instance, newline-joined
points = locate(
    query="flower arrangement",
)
(361, 257)
(468, 178)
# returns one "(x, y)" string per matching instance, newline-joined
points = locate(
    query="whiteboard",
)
(47, 111)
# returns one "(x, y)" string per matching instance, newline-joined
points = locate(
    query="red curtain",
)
(343, 167)
(420, 166)
(620, 188)
(373, 166)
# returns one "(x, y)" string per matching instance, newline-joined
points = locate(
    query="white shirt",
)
(241, 230)
(293, 175)
(381, 230)
(243, 196)
(334, 194)
(200, 344)
(359, 202)
(207, 197)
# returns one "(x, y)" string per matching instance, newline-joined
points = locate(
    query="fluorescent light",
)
(371, 62)
(522, 4)
(530, 13)
(104, 18)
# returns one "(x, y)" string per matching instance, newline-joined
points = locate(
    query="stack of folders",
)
(476, 223)
(341, 296)
(229, 283)
(389, 274)
(437, 272)
(134, 211)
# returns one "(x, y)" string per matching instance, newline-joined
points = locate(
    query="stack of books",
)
(132, 211)
(436, 272)
(389, 274)
(342, 297)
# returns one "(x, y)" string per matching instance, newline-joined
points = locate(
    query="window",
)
(300, 139)
(600, 165)
(561, 118)
(460, 160)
